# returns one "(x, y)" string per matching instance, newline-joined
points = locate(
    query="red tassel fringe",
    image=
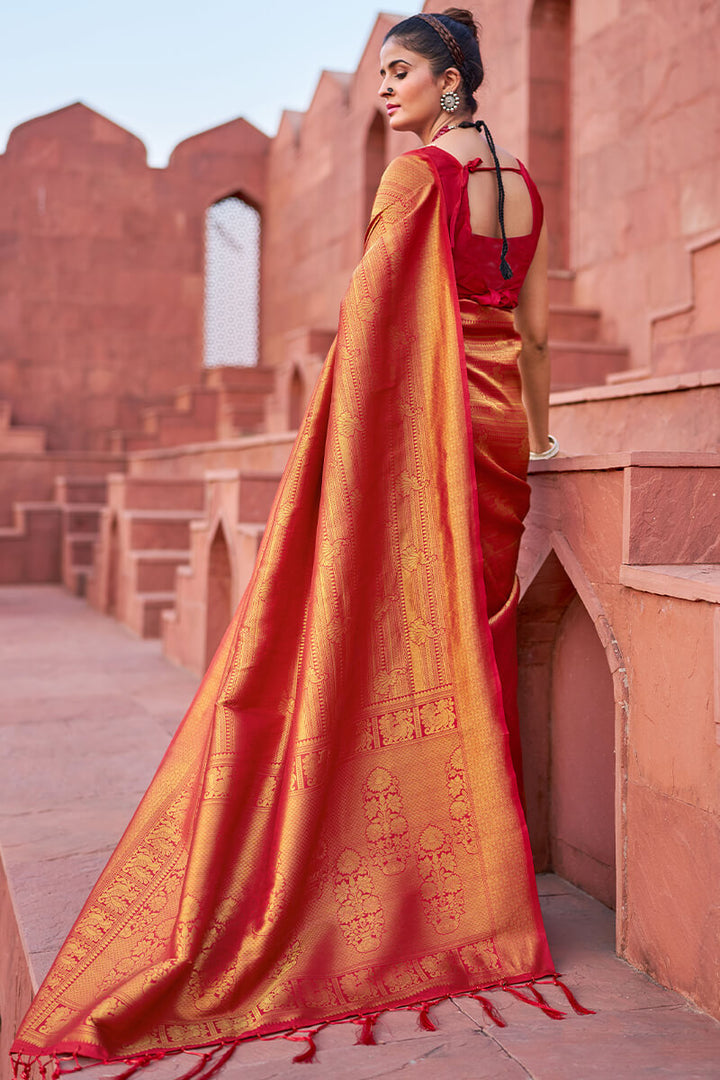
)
(309, 1054)
(572, 1000)
(424, 1018)
(366, 1036)
(142, 1062)
(212, 1059)
(537, 1000)
(489, 1009)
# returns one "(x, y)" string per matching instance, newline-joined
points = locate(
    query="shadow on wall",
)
(567, 715)
(549, 99)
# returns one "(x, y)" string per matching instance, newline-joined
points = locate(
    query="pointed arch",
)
(572, 695)
(296, 400)
(219, 591)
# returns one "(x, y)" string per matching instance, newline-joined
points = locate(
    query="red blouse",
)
(477, 257)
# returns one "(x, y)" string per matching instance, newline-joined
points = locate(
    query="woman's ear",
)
(451, 80)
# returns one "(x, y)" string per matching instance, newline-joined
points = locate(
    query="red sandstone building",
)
(142, 478)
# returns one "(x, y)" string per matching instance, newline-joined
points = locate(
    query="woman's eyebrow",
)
(394, 63)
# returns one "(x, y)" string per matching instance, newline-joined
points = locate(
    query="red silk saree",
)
(335, 828)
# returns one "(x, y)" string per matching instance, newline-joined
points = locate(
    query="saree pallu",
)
(335, 828)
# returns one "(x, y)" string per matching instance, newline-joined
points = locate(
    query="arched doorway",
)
(549, 120)
(296, 400)
(375, 157)
(113, 567)
(232, 283)
(567, 716)
(219, 593)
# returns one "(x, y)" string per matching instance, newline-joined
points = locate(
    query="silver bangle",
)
(551, 451)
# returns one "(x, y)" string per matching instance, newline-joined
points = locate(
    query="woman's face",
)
(409, 89)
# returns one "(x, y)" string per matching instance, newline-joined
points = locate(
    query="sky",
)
(165, 70)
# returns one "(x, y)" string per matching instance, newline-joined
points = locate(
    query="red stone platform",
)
(86, 710)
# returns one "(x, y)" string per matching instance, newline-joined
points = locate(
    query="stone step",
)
(128, 441)
(168, 529)
(561, 285)
(251, 380)
(576, 364)
(78, 548)
(151, 605)
(569, 323)
(157, 493)
(154, 569)
(199, 401)
(174, 428)
(84, 490)
(30, 547)
(633, 415)
(187, 434)
(690, 581)
(238, 420)
(81, 517)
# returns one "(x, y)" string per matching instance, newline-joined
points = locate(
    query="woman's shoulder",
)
(410, 175)
(421, 168)
(414, 164)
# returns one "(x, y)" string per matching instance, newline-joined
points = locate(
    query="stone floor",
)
(85, 713)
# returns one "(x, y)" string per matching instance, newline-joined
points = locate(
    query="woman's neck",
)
(442, 123)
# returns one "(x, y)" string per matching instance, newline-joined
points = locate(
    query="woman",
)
(490, 197)
(336, 827)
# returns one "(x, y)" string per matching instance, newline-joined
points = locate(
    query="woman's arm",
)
(531, 322)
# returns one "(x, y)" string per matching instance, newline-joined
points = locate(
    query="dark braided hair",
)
(447, 40)
(505, 268)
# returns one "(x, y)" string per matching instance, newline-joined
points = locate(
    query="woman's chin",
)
(398, 122)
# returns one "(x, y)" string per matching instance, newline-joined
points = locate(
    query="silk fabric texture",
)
(335, 828)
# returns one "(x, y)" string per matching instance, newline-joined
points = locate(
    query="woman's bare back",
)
(467, 144)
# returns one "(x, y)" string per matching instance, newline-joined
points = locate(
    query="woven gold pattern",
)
(336, 828)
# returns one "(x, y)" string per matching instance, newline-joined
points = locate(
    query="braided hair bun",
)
(463, 16)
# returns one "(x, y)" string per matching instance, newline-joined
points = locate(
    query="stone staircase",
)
(224, 547)
(30, 547)
(144, 537)
(228, 402)
(578, 355)
(81, 500)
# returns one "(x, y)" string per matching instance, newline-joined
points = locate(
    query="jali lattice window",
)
(232, 280)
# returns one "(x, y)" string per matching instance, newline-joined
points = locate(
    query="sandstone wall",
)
(101, 267)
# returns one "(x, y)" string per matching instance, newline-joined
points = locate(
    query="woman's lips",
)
(391, 108)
